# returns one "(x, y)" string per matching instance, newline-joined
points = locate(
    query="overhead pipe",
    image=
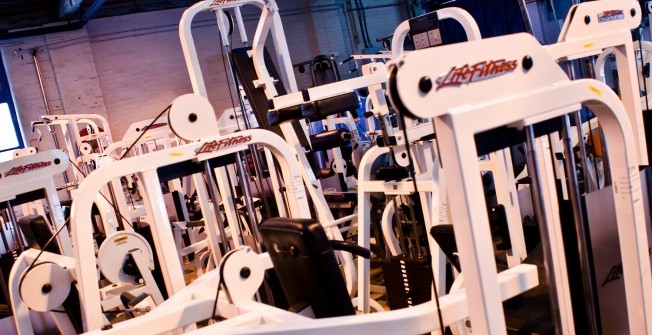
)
(526, 16)
(70, 26)
(39, 75)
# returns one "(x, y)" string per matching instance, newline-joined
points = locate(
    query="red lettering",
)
(611, 15)
(27, 168)
(483, 70)
(223, 143)
(156, 125)
(222, 2)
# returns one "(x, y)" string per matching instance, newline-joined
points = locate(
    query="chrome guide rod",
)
(539, 212)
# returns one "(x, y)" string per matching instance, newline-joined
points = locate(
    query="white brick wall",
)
(140, 65)
(75, 73)
(335, 31)
(69, 79)
(129, 68)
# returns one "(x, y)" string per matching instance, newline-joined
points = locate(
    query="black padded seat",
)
(306, 266)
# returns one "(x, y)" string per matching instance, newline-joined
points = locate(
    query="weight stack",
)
(408, 281)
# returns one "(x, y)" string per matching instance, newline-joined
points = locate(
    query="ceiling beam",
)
(55, 29)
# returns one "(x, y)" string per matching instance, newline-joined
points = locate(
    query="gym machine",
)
(209, 147)
(83, 134)
(533, 77)
(23, 180)
(261, 82)
(550, 79)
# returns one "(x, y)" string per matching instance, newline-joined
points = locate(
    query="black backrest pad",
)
(37, 232)
(306, 266)
(445, 238)
(244, 68)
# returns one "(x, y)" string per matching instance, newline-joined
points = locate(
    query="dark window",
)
(494, 17)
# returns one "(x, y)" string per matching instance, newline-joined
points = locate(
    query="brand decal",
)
(616, 271)
(467, 74)
(222, 2)
(27, 168)
(154, 126)
(614, 274)
(221, 144)
(611, 15)
(121, 240)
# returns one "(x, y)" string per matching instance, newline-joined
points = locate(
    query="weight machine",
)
(534, 78)
(540, 79)
(265, 84)
(26, 179)
(83, 134)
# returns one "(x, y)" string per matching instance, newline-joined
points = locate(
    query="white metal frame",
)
(433, 197)
(579, 39)
(457, 119)
(32, 179)
(269, 24)
(245, 316)
(461, 16)
(645, 55)
(269, 21)
(38, 171)
(70, 129)
(145, 166)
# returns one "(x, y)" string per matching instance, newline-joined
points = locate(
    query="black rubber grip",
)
(351, 247)
(320, 109)
(276, 117)
(330, 139)
(392, 173)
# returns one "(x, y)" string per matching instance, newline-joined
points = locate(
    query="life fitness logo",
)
(221, 144)
(154, 126)
(222, 2)
(467, 74)
(611, 15)
(27, 168)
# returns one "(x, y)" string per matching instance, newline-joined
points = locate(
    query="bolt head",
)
(245, 272)
(47, 288)
(527, 62)
(425, 84)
